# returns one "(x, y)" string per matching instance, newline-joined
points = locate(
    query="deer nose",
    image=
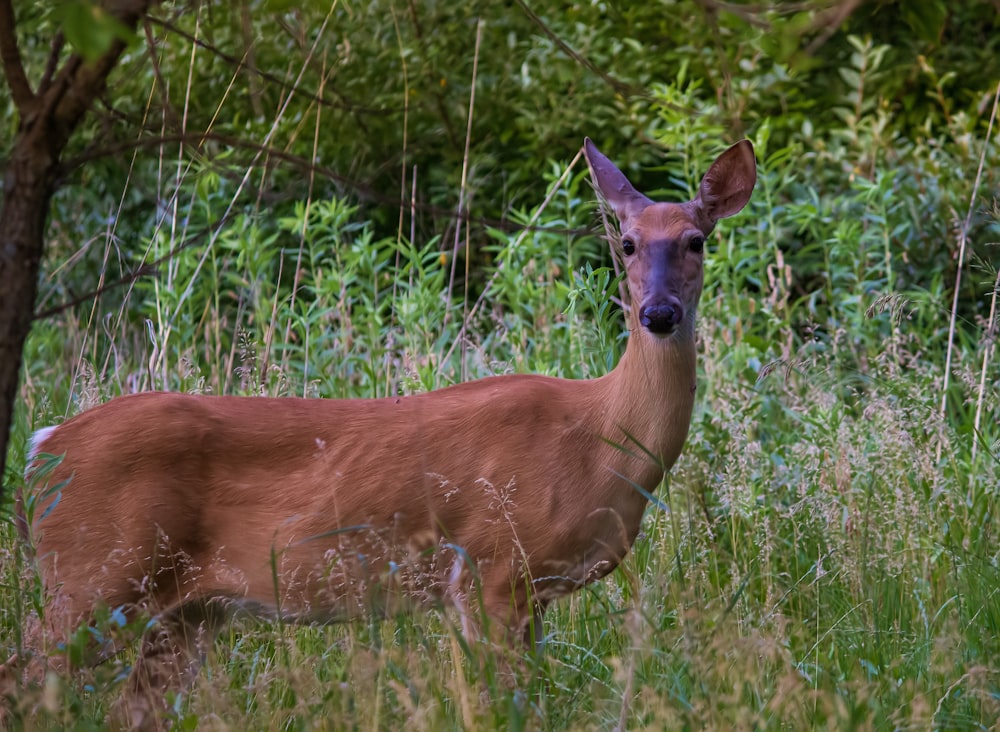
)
(662, 317)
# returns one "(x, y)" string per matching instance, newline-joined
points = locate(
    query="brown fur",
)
(522, 487)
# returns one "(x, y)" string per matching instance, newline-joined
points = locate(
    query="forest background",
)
(366, 199)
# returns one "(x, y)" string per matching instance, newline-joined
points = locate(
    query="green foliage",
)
(826, 550)
(90, 28)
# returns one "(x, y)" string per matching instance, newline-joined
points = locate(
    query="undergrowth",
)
(826, 550)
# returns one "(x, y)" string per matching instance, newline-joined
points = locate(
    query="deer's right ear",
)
(612, 185)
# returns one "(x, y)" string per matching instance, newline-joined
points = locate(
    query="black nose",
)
(661, 318)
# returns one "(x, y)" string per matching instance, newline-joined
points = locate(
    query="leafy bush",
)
(826, 550)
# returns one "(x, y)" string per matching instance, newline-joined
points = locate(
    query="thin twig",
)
(464, 183)
(296, 279)
(621, 87)
(246, 176)
(364, 191)
(439, 99)
(145, 269)
(52, 63)
(962, 242)
(154, 62)
(990, 341)
(164, 324)
(464, 191)
(402, 187)
(118, 217)
(516, 243)
(244, 66)
(989, 345)
(829, 22)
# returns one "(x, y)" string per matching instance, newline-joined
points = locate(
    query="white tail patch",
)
(35, 445)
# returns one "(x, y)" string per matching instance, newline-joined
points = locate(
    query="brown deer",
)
(496, 496)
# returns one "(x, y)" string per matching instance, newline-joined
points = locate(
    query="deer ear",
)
(612, 185)
(727, 185)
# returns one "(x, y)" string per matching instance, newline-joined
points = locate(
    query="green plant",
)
(826, 551)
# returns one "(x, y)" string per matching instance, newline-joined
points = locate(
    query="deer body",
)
(231, 485)
(502, 494)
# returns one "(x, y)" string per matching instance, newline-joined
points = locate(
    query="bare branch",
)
(78, 83)
(364, 191)
(626, 90)
(154, 61)
(829, 21)
(439, 101)
(747, 13)
(13, 69)
(244, 66)
(142, 271)
(50, 66)
(57, 88)
(253, 79)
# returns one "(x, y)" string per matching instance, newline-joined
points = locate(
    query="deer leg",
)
(170, 657)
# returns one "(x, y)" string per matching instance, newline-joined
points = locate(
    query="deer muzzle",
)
(661, 317)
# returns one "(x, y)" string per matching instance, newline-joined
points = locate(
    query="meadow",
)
(824, 555)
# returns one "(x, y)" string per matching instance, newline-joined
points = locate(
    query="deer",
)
(495, 496)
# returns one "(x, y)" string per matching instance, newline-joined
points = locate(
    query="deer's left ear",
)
(727, 185)
(612, 185)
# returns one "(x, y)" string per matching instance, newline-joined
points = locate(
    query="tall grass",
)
(826, 550)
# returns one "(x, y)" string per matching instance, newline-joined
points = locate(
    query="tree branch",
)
(52, 64)
(283, 84)
(47, 121)
(829, 21)
(13, 69)
(78, 83)
(142, 271)
(161, 84)
(629, 91)
(364, 191)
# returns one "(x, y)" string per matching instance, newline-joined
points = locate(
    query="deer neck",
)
(649, 399)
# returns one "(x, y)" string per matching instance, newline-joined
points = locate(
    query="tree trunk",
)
(28, 187)
(47, 119)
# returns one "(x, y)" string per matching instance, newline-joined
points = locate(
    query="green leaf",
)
(926, 19)
(90, 29)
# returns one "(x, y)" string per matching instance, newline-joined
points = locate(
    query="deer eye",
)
(628, 246)
(697, 244)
